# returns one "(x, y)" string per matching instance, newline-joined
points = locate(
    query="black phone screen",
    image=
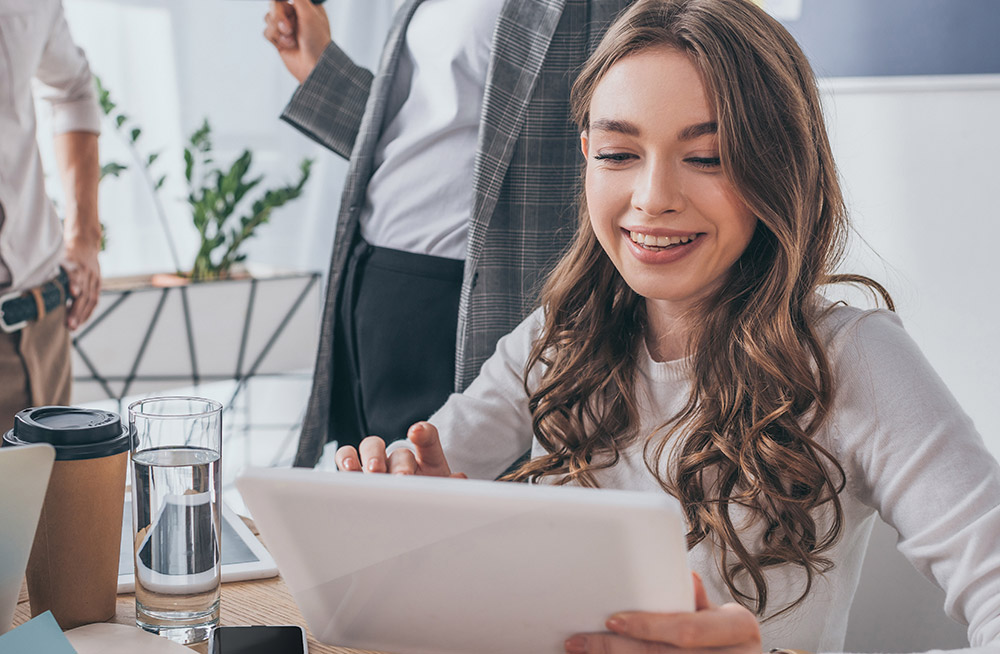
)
(258, 640)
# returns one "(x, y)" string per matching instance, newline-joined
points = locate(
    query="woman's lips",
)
(655, 254)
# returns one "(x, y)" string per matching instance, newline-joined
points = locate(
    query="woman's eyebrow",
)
(701, 129)
(612, 125)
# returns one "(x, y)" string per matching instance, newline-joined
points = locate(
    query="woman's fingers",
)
(612, 644)
(426, 456)
(730, 626)
(701, 602)
(372, 452)
(402, 462)
(347, 459)
(427, 445)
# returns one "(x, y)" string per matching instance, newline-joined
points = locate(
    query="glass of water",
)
(176, 515)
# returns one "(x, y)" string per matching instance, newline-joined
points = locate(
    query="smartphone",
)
(259, 639)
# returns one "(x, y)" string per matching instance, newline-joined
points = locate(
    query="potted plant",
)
(209, 321)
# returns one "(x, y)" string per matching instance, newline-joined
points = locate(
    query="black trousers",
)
(394, 342)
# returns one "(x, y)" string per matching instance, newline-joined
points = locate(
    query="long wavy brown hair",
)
(761, 381)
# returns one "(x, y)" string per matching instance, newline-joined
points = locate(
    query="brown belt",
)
(19, 308)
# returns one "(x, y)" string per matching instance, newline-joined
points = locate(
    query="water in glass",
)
(177, 540)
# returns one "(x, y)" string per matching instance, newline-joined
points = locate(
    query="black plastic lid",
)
(76, 433)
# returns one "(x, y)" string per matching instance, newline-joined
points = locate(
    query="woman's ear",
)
(584, 143)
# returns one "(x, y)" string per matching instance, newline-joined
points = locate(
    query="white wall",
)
(918, 159)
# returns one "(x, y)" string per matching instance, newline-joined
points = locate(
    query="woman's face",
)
(659, 202)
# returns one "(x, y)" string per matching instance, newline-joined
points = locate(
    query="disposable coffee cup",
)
(73, 566)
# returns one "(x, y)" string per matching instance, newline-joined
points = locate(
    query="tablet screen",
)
(240, 559)
(169, 532)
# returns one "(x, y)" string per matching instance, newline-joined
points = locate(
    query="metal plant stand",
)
(145, 339)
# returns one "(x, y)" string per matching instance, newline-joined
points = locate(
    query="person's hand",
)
(427, 457)
(300, 31)
(84, 272)
(727, 629)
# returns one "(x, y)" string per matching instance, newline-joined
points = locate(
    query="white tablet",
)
(243, 556)
(450, 566)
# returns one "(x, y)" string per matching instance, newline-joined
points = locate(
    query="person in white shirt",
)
(683, 346)
(34, 246)
(462, 167)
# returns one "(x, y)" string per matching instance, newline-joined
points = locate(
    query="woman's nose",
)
(657, 190)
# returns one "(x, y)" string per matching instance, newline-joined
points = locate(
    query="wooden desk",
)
(265, 601)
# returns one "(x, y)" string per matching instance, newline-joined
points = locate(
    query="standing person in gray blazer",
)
(464, 172)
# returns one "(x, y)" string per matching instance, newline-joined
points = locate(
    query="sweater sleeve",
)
(910, 452)
(328, 106)
(488, 427)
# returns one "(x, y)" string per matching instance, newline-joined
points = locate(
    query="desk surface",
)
(265, 601)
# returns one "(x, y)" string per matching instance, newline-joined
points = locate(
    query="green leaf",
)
(120, 119)
(153, 157)
(198, 217)
(104, 97)
(188, 164)
(245, 188)
(159, 182)
(305, 166)
(201, 138)
(135, 134)
(113, 169)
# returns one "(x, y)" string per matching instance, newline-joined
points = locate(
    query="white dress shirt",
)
(35, 44)
(420, 195)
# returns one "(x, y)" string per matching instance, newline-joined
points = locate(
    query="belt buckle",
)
(4, 325)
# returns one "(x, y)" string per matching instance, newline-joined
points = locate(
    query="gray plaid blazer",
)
(526, 179)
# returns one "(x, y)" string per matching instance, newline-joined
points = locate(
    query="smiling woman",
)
(745, 174)
(663, 210)
(683, 346)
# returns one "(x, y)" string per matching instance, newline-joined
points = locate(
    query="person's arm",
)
(68, 86)
(79, 171)
(919, 461)
(330, 101)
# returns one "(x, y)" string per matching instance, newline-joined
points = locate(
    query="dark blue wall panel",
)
(861, 38)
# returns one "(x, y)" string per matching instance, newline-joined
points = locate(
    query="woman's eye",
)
(614, 157)
(705, 162)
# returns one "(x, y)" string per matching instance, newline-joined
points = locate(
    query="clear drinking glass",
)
(176, 514)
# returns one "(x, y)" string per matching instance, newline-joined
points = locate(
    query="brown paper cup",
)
(73, 567)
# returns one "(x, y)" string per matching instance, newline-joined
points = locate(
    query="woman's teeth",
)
(660, 241)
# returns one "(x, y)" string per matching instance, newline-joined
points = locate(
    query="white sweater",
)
(908, 451)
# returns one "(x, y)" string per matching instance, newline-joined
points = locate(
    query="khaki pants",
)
(34, 366)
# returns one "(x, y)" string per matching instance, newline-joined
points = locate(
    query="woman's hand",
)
(426, 458)
(300, 31)
(726, 629)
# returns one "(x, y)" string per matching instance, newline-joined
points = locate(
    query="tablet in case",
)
(450, 566)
